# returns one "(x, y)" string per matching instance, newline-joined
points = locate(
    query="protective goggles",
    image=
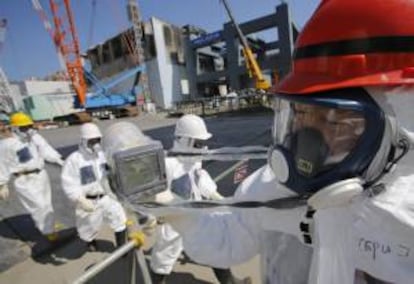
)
(25, 129)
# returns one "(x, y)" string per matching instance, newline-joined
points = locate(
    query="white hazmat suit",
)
(84, 180)
(186, 181)
(369, 237)
(190, 182)
(24, 159)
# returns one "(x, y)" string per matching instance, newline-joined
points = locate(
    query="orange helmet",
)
(353, 43)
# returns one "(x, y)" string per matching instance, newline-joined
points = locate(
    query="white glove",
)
(4, 192)
(86, 204)
(216, 196)
(60, 162)
(148, 227)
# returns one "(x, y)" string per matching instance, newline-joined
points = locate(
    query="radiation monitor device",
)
(140, 172)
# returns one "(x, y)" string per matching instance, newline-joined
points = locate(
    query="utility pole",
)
(134, 17)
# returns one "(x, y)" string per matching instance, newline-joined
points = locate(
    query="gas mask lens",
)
(25, 129)
(94, 144)
(25, 132)
(198, 144)
(316, 137)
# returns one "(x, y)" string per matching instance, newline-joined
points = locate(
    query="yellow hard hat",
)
(20, 119)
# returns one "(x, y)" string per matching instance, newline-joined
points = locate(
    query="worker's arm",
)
(71, 180)
(4, 177)
(218, 239)
(6, 160)
(206, 185)
(233, 236)
(47, 151)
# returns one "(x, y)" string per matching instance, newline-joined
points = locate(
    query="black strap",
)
(98, 196)
(307, 239)
(384, 44)
(304, 227)
(280, 203)
(35, 171)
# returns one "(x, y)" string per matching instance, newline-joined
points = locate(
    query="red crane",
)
(66, 41)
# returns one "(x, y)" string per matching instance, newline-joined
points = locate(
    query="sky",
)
(28, 50)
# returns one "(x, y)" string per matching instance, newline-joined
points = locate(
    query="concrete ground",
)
(26, 257)
(70, 261)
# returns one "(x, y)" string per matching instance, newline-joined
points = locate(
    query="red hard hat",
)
(351, 43)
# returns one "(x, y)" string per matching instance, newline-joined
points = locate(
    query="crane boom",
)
(251, 62)
(48, 27)
(66, 40)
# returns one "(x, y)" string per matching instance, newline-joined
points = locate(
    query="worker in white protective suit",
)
(23, 154)
(85, 182)
(187, 180)
(338, 150)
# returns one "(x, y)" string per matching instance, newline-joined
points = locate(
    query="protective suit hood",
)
(24, 136)
(88, 133)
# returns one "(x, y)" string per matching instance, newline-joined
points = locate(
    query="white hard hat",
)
(192, 126)
(90, 131)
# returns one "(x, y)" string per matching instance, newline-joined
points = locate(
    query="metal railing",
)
(117, 254)
(218, 104)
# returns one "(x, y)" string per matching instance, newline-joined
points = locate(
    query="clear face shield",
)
(137, 163)
(324, 138)
(318, 137)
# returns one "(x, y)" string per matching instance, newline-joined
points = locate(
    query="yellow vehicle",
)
(251, 62)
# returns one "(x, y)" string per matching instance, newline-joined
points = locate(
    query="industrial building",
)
(185, 64)
(164, 59)
(182, 64)
(223, 63)
(43, 100)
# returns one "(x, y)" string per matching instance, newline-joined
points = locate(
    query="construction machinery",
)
(104, 103)
(6, 101)
(98, 101)
(251, 62)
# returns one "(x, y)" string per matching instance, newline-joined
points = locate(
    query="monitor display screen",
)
(140, 171)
